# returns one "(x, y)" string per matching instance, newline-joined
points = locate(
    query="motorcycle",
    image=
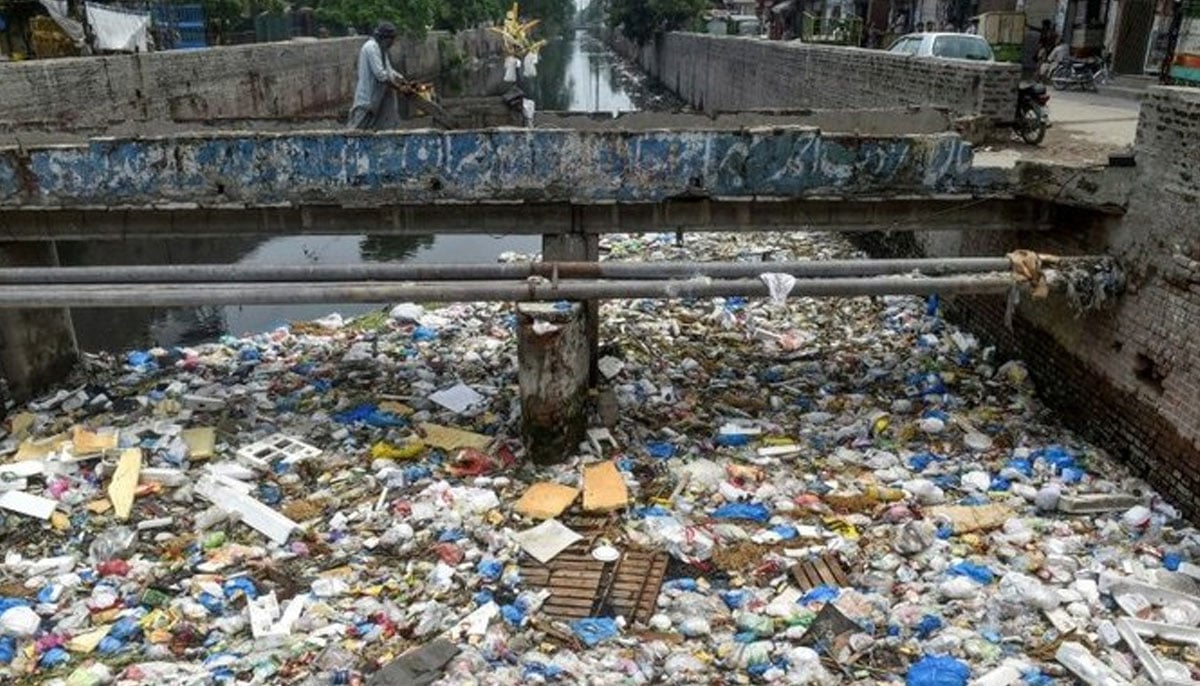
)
(1086, 74)
(1032, 117)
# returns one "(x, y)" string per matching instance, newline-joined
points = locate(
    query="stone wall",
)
(301, 77)
(1128, 376)
(724, 73)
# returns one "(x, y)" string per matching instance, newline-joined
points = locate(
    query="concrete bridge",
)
(567, 182)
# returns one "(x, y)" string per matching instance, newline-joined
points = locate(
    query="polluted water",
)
(773, 490)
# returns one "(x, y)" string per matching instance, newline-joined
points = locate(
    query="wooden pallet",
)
(582, 586)
(825, 570)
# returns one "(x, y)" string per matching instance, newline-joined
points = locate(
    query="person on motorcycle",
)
(1052, 60)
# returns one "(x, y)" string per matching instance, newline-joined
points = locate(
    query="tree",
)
(459, 15)
(640, 20)
(412, 17)
(222, 15)
(556, 16)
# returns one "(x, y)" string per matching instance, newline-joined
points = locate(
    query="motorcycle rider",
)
(1055, 57)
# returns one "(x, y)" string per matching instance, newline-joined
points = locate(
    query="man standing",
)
(376, 102)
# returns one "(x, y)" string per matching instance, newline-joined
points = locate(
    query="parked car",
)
(959, 46)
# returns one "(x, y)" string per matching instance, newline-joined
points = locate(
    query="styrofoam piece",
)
(1094, 503)
(1161, 672)
(1060, 619)
(1189, 569)
(598, 437)
(22, 470)
(1087, 667)
(261, 454)
(202, 402)
(163, 475)
(253, 513)
(1118, 586)
(1007, 673)
(28, 504)
(778, 450)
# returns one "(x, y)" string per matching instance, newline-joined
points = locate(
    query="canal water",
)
(576, 73)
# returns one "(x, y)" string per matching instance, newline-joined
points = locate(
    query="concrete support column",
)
(579, 247)
(37, 346)
(553, 365)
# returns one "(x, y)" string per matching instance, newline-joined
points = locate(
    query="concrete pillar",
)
(553, 366)
(579, 247)
(37, 346)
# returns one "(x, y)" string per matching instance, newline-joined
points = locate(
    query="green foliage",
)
(223, 15)
(412, 17)
(640, 20)
(458, 15)
(557, 16)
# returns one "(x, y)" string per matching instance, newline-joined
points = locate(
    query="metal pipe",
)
(178, 295)
(201, 273)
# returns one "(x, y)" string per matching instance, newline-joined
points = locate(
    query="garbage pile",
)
(822, 491)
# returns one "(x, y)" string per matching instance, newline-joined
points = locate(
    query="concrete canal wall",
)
(247, 81)
(725, 73)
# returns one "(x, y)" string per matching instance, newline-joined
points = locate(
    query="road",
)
(1085, 127)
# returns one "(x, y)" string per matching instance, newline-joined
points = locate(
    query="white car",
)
(959, 46)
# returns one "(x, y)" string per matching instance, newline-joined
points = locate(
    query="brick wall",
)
(247, 81)
(1127, 377)
(721, 73)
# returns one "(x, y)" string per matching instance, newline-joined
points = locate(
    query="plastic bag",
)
(111, 544)
(937, 671)
(594, 630)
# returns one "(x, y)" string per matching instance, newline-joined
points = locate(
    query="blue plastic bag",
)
(594, 630)
(53, 658)
(513, 615)
(756, 512)
(977, 573)
(820, 594)
(663, 451)
(370, 414)
(938, 671)
(240, 584)
(733, 440)
(8, 649)
(489, 569)
(424, 333)
(928, 625)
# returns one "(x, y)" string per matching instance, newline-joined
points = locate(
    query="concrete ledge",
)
(369, 170)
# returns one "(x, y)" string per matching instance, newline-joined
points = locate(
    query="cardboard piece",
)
(22, 422)
(86, 643)
(448, 438)
(124, 482)
(201, 442)
(546, 540)
(546, 500)
(604, 488)
(28, 504)
(37, 450)
(965, 518)
(87, 442)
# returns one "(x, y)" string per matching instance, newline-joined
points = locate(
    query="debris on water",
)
(861, 494)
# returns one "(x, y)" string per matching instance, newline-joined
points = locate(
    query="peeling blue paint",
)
(497, 164)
